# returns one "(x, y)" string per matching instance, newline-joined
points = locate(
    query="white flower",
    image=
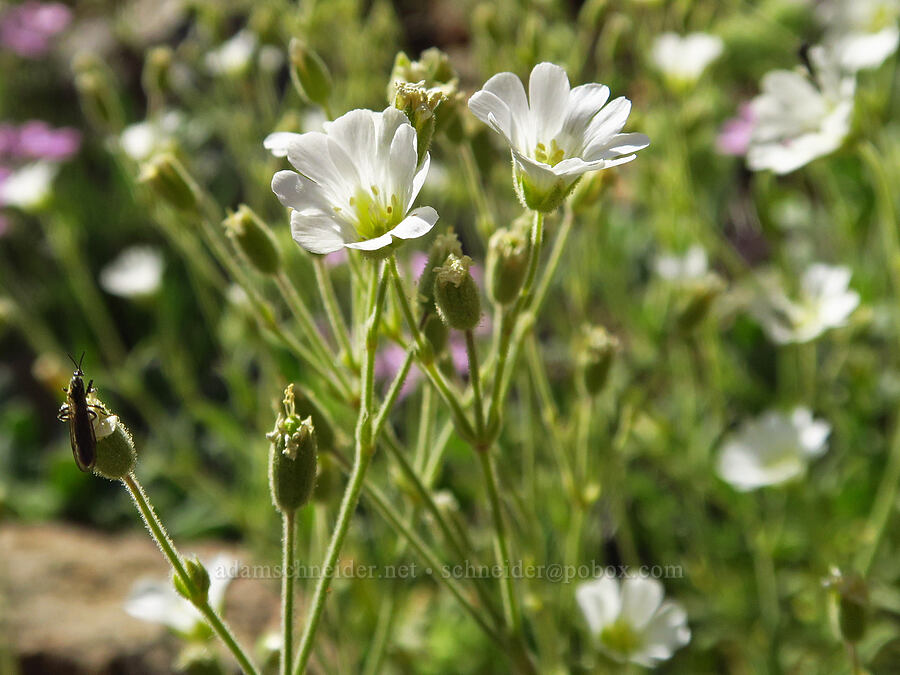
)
(28, 188)
(863, 33)
(631, 622)
(140, 141)
(556, 134)
(157, 601)
(692, 265)
(136, 271)
(772, 449)
(800, 116)
(233, 56)
(825, 302)
(356, 183)
(684, 58)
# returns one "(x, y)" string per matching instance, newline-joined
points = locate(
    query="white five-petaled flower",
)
(772, 449)
(631, 622)
(862, 33)
(683, 58)
(800, 116)
(355, 183)
(824, 302)
(29, 187)
(556, 133)
(692, 265)
(137, 271)
(157, 601)
(233, 56)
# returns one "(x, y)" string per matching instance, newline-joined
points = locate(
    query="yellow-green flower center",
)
(374, 217)
(620, 637)
(553, 156)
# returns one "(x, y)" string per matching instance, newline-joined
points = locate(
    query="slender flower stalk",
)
(287, 592)
(333, 310)
(161, 537)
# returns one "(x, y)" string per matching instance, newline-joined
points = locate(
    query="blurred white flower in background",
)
(692, 265)
(356, 183)
(556, 133)
(772, 449)
(143, 139)
(825, 301)
(28, 187)
(683, 58)
(862, 33)
(800, 116)
(234, 56)
(136, 272)
(157, 601)
(630, 621)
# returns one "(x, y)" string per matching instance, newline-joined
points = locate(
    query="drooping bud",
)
(456, 294)
(254, 239)
(696, 296)
(309, 73)
(852, 597)
(443, 246)
(97, 93)
(168, 178)
(292, 465)
(595, 358)
(507, 263)
(197, 592)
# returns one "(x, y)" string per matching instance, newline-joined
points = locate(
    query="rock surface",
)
(61, 601)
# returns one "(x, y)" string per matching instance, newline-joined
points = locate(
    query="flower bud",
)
(436, 333)
(852, 598)
(97, 93)
(507, 263)
(292, 466)
(166, 176)
(155, 76)
(443, 246)
(254, 239)
(198, 590)
(419, 105)
(696, 298)
(595, 360)
(456, 294)
(309, 73)
(115, 453)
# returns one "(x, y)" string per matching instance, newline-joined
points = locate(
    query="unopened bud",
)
(507, 263)
(436, 333)
(292, 465)
(166, 176)
(419, 104)
(852, 598)
(696, 298)
(254, 239)
(597, 351)
(99, 101)
(115, 453)
(443, 246)
(155, 76)
(309, 73)
(456, 294)
(196, 588)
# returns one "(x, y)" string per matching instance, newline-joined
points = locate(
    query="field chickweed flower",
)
(136, 272)
(631, 622)
(692, 265)
(356, 183)
(863, 33)
(157, 601)
(772, 449)
(800, 116)
(683, 58)
(234, 56)
(825, 302)
(556, 133)
(28, 188)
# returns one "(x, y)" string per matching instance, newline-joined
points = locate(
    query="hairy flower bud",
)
(456, 294)
(97, 93)
(852, 598)
(198, 590)
(443, 246)
(309, 73)
(292, 465)
(436, 333)
(436, 87)
(507, 263)
(115, 453)
(254, 239)
(166, 176)
(155, 76)
(596, 356)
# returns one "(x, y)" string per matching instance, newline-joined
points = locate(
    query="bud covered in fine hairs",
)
(198, 591)
(309, 73)
(254, 239)
(166, 176)
(456, 294)
(437, 84)
(114, 453)
(436, 333)
(507, 263)
(852, 597)
(595, 359)
(442, 246)
(292, 465)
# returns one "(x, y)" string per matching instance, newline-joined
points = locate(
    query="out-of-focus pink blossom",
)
(387, 364)
(336, 258)
(9, 139)
(28, 29)
(734, 136)
(38, 140)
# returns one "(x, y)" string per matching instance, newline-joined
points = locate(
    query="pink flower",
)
(38, 140)
(336, 258)
(28, 28)
(734, 137)
(387, 364)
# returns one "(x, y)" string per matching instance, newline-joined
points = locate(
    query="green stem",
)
(364, 450)
(161, 537)
(475, 378)
(287, 593)
(333, 309)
